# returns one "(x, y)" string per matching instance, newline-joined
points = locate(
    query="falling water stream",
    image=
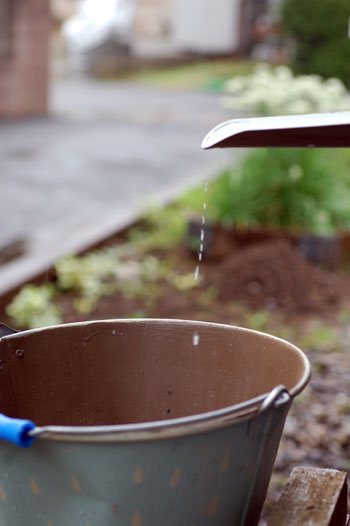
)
(200, 254)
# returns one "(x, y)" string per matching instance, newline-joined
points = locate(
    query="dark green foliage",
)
(296, 189)
(320, 28)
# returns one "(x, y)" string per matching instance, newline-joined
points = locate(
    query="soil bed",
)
(267, 286)
(271, 276)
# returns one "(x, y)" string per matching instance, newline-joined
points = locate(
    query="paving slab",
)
(105, 152)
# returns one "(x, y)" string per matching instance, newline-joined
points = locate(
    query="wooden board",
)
(312, 497)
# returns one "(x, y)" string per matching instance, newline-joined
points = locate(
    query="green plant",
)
(103, 272)
(162, 228)
(294, 189)
(320, 30)
(344, 316)
(320, 337)
(208, 296)
(141, 313)
(87, 274)
(275, 91)
(90, 277)
(257, 321)
(33, 307)
(183, 281)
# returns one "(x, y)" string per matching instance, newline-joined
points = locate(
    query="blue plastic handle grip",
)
(15, 430)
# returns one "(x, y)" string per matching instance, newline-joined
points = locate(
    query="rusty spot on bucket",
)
(225, 462)
(136, 519)
(115, 509)
(49, 523)
(213, 504)
(3, 493)
(175, 478)
(34, 487)
(138, 475)
(76, 485)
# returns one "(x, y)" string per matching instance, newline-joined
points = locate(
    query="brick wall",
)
(24, 65)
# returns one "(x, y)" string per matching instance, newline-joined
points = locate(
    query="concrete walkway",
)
(107, 149)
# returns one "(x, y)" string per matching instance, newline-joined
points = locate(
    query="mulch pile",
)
(275, 276)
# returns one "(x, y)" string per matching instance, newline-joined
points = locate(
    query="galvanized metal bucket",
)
(143, 422)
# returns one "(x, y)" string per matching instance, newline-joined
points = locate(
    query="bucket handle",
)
(276, 397)
(5, 330)
(16, 430)
(23, 432)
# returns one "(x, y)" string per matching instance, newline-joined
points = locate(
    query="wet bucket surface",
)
(164, 431)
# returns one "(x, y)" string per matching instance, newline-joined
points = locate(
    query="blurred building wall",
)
(206, 26)
(24, 57)
(151, 34)
(173, 27)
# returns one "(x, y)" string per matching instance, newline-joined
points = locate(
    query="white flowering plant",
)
(276, 91)
(302, 190)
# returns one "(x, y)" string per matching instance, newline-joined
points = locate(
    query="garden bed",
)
(271, 276)
(264, 284)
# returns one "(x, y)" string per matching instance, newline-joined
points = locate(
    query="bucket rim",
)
(169, 428)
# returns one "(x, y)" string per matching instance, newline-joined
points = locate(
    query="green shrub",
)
(319, 28)
(294, 189)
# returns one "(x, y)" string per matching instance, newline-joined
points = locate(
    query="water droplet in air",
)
(196, 272)
(195, 339)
